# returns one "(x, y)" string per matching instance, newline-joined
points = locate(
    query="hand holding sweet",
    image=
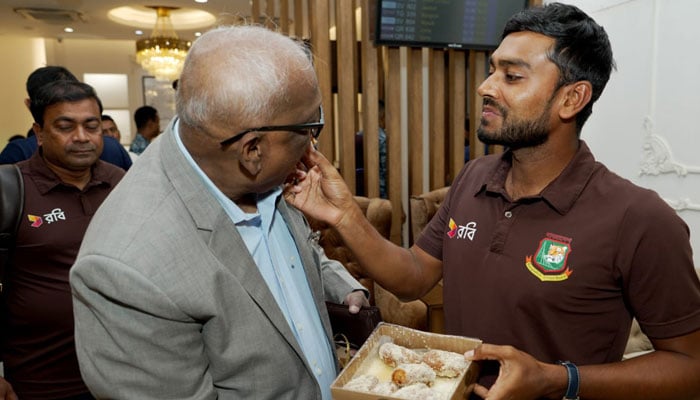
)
(318, 190)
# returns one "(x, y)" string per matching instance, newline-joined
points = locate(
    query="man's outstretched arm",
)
(320, 192)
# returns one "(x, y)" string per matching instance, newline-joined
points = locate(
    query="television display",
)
(458, 24)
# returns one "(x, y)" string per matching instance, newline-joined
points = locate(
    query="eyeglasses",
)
(313, 128)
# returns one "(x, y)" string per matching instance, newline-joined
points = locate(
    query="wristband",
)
(572, 388)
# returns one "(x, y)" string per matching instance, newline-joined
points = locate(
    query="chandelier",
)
(163, 54)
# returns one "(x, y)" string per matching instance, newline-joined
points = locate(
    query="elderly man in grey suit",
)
(195, 279)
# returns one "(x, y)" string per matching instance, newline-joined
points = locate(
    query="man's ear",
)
(37, 132)
(251, 153)
(577, 96)
(28, 103)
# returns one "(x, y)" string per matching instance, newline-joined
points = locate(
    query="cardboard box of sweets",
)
(366, 361)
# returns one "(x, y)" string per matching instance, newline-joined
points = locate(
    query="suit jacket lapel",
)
(221, 234)
(300, 232)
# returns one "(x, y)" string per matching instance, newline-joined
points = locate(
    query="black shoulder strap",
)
(11, 204)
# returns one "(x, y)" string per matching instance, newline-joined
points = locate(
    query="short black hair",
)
(143, 115)
(581, 50)
(59, 92)
(41, 76)
(107, 117)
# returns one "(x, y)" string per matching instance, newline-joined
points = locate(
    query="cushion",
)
(423, 208)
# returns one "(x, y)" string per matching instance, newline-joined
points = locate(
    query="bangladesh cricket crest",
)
(549, 263)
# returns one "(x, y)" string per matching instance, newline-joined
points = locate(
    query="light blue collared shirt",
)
(272, 246)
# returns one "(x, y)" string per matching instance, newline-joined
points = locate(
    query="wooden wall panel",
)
(437, 115)
(255, 10)
(477, 72)
(393, 125)
(270, 14)
(370, 76)
(347, 89)
(284, 18)
(321, 48)
(415, 121)
(457, 110)
(299, 18)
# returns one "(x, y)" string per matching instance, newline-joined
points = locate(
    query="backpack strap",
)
(11, 205)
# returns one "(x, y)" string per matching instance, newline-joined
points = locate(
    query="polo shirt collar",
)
(562, 192)
(45, 179)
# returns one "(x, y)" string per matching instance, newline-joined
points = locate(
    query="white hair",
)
(242, 74)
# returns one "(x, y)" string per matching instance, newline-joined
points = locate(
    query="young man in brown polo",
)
(546, 255)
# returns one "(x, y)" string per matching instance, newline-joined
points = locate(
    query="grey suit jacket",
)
(169, 303)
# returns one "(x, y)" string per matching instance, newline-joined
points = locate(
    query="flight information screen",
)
(462, 24)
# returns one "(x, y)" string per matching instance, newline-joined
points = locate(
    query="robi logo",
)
(461, 231)
(35, 220)
(453, 228)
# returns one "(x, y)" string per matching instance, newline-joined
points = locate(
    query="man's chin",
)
(488, 138)
(82, 162)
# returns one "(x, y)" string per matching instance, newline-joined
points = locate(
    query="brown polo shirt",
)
(38, 346)
(560, 275)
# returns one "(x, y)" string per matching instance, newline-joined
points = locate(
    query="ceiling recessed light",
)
(143, 17)
(138, 32)
(200, 1)
(68, 29)
(198, 34)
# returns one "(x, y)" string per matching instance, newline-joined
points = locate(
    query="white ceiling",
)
(89, 17)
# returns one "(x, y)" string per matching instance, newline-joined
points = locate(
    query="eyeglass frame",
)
(314, 127)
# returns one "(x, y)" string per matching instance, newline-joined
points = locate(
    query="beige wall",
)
(644, 127)
(83, 56)
(20, 56)
(80, 56)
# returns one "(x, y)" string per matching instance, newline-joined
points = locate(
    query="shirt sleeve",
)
(124, 323)
(655, 262)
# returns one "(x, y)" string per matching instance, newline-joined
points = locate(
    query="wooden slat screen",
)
(456, 89)
(370, 78)
(355, 74)
(347, 88)
(393, 141)
(437, 112)
(319, 12)
(415, 121)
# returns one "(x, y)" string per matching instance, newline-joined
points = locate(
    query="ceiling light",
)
(142, 17)
(162, 54)
(68, 29)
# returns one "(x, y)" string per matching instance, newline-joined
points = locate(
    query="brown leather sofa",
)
(423, 207)
(378, 211)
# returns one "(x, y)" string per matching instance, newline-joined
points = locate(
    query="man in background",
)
(360, 157)
(109, 128)
(15, 137)
(147, 128)
(18, 150)
(64, 184)
(209, 282)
